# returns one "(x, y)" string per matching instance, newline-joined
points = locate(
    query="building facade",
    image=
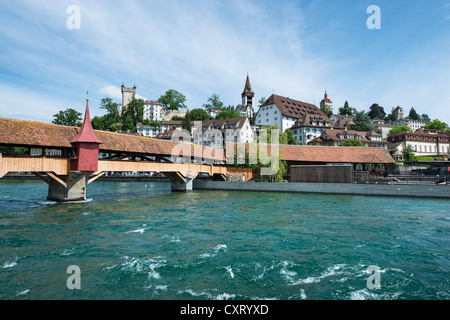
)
(147, 131)
(216, 133)
(153, 111)
(334, 137)
(309, 127)
(424, 142)
(285, 112)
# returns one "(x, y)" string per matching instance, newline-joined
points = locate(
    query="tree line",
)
(125, 119)
(363, 120)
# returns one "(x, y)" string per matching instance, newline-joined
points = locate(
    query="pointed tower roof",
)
(326, 99)
(248, 89)
(86, 133)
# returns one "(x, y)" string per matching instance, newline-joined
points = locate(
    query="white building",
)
(215, 133)
(423, 142)
(147, 131)
(309, 127)
(286, 113)
(153, 111)
(214, 113)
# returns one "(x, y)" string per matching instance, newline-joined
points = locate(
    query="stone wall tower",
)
(127, 95)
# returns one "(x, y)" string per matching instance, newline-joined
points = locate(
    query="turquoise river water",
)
(138, 240)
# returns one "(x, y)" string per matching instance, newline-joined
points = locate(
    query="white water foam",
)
(139, 230)
(331, 271)
(24, 292)
(220, 247)
(216, 249)
(10, 264)
(230, 271)
(68, 252)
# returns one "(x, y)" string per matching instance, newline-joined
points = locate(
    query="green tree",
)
(399, 129)
(328, 112)
(408, 153)
(346, 110)
(186, 122)
(132, 114)
(352, 143)
(214, 103)
(425, 118)
(98, 123)
(111, 120)
(362, 122)
(199, 115)
(227, 114)
(68, 117)
(262, 100)
(290, 137)
(376, 112)
(437, 125)
(413, 115)
(173, 100)
(128, 124)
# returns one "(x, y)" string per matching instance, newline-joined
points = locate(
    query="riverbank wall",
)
(416, 191)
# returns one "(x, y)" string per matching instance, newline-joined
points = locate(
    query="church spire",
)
(86, 133)
(248, 92)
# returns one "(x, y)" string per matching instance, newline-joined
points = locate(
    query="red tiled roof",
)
(31, 133)
(294, 108)
(319, 154)
(39, 134)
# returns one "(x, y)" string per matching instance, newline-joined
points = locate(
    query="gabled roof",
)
(238, 122)
(293, 108)
(46, 135)
(308, 119)
(334, 135)
(319, 154)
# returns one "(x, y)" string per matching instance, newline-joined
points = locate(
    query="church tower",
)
(326, 103)
(127, 95)
(248, 96)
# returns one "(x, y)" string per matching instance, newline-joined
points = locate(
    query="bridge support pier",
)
(179, 182)
(68, 188)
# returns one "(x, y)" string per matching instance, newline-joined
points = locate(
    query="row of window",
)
(419, 148)
(312, 130)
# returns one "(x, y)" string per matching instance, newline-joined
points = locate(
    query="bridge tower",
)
(87, 146)
(85, 162)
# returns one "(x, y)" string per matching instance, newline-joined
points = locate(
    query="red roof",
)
(86, 133)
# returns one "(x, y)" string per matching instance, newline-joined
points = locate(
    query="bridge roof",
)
(322, 154)
(39, 134)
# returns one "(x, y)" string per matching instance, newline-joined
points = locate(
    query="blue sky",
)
(291, 48)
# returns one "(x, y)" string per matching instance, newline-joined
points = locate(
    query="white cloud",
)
(196, 47)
